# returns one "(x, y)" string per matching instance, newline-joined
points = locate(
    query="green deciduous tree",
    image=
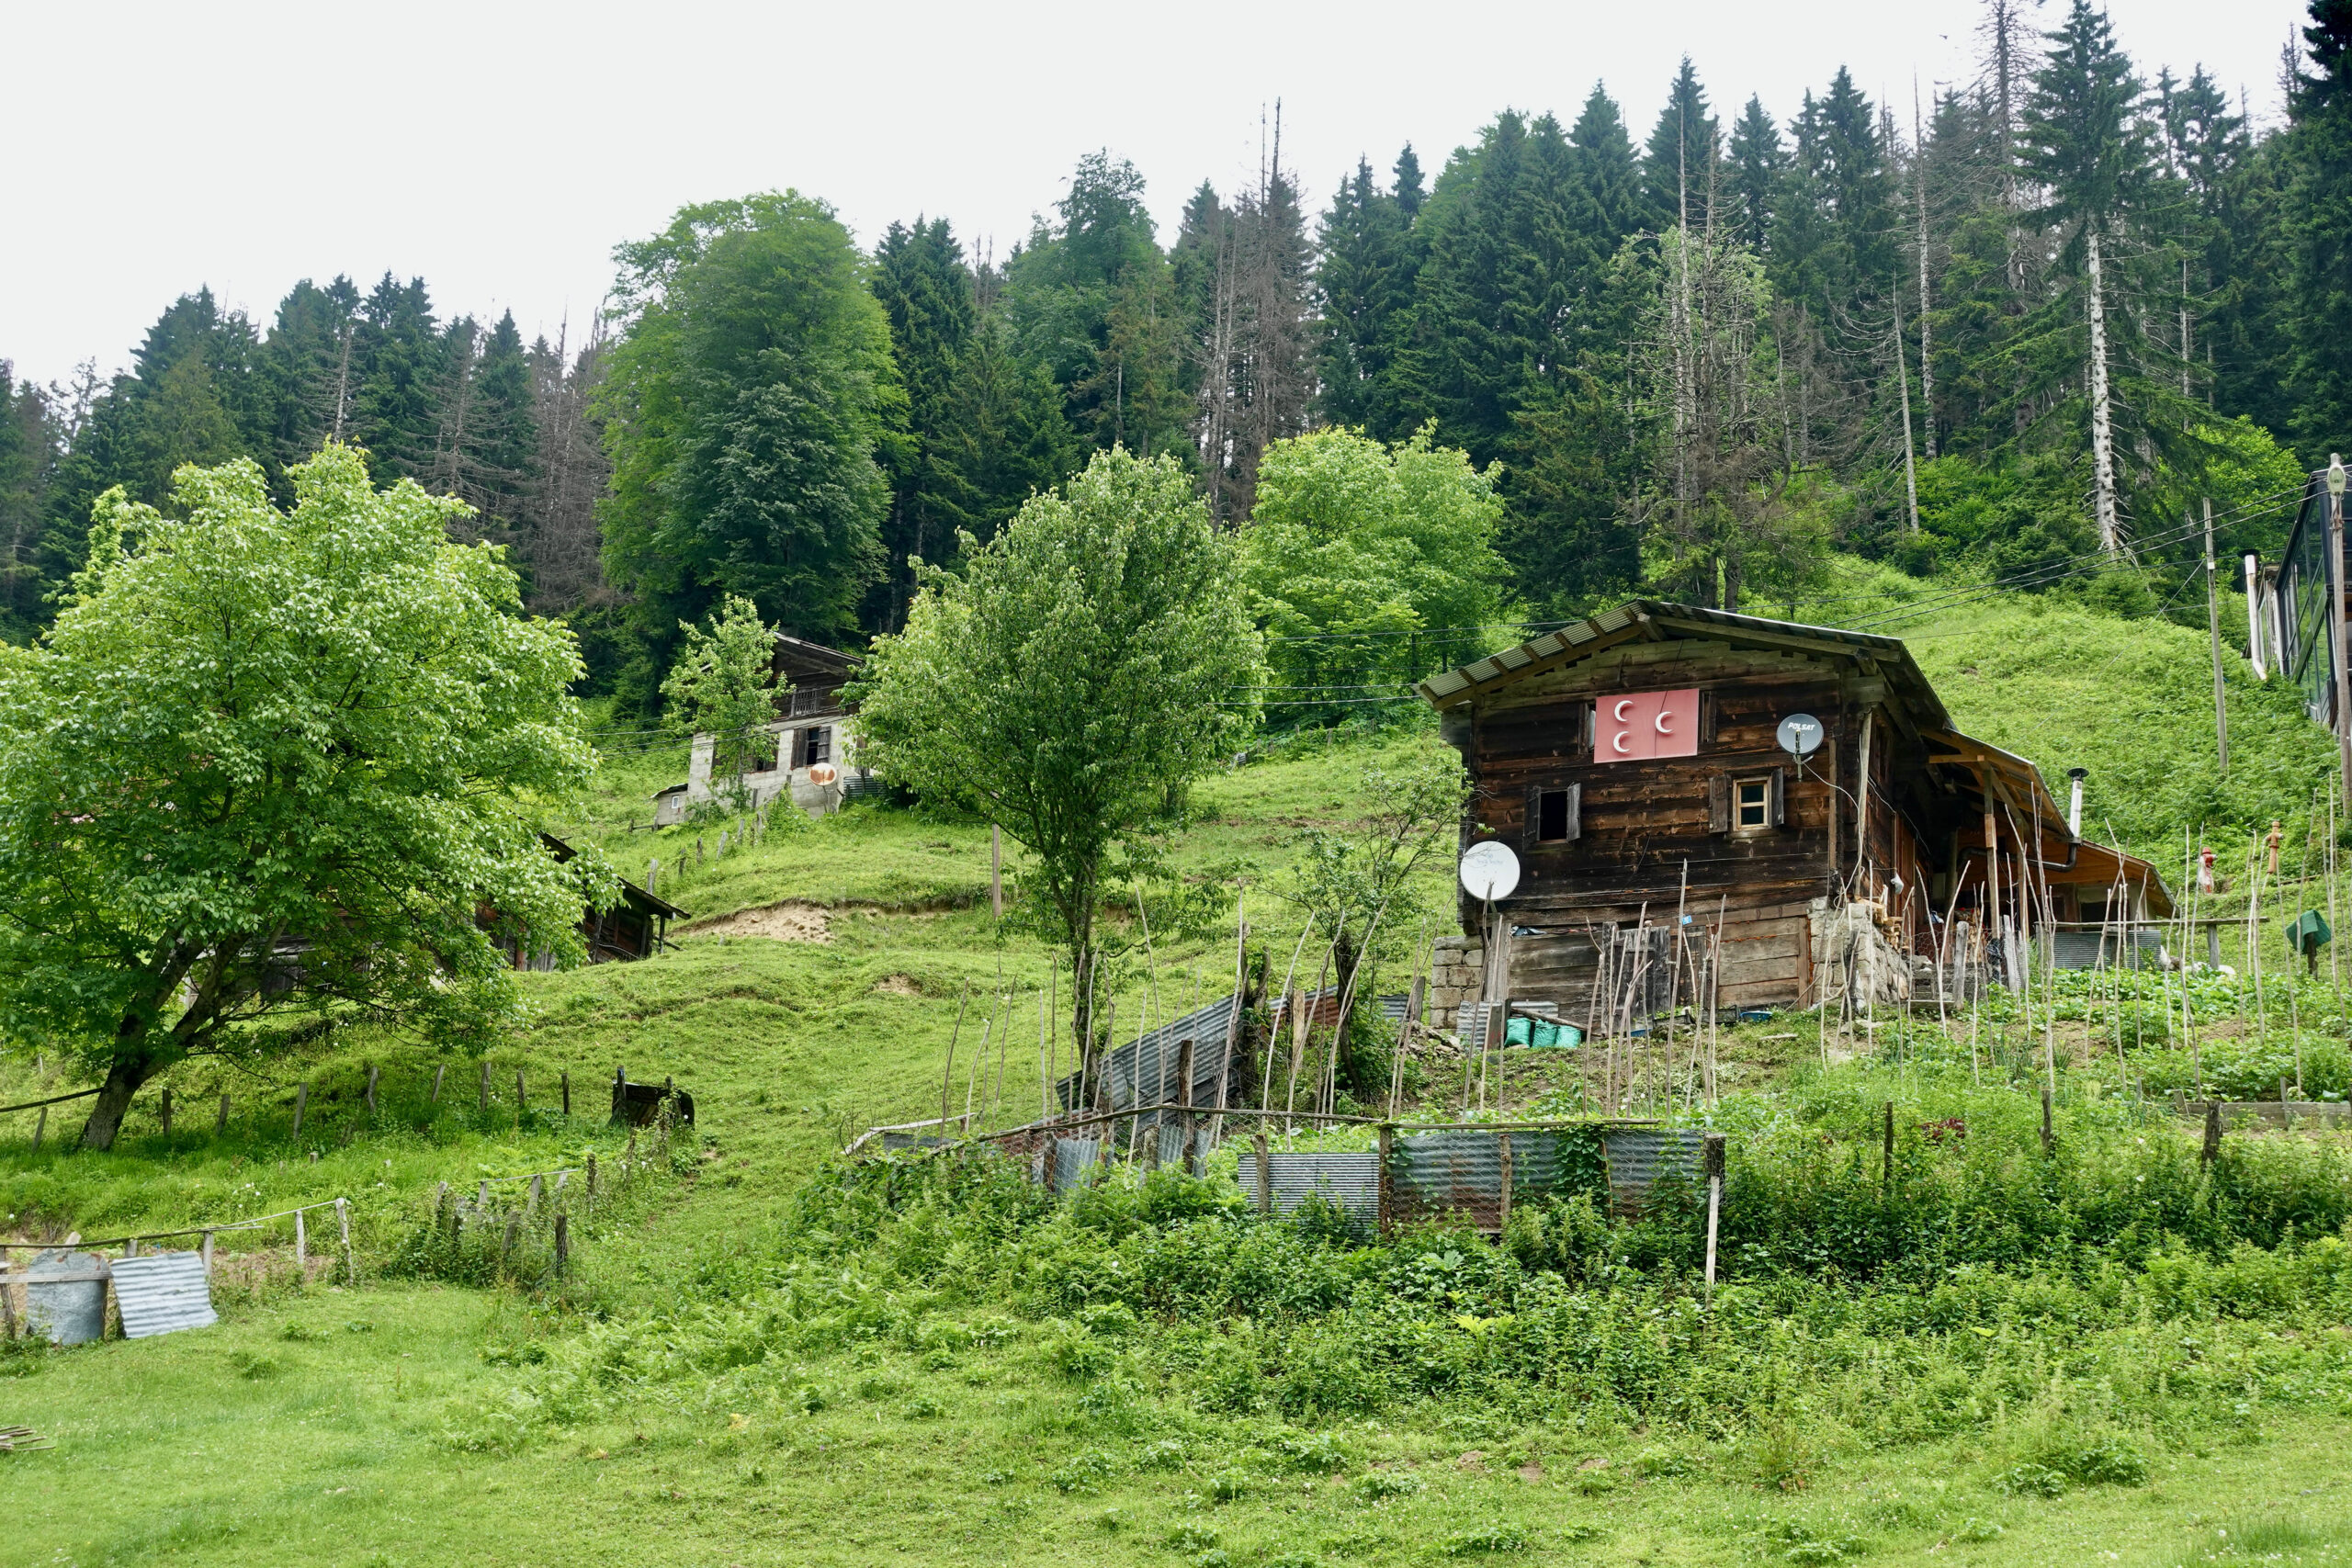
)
(1085, 666)
(747, 395)
(1369, 565)
(723, 685)
(270, 759)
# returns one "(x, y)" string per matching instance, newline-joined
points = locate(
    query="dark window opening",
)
(1552, 816)
(1751, 803)
(816, 745)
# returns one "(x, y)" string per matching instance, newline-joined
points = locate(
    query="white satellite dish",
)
(1489, 870)
(1800, 735)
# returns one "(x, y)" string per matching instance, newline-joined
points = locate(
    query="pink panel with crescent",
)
(1646, 724)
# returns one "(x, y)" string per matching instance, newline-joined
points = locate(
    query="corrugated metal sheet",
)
(162, 1293)
(1143, 1071)
(1073, 1158)
(1641, 1157)
(1350, 1180)
(73, 1312)
(1453, 1172)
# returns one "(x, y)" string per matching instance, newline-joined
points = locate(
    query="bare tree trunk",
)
(2102, 428)
(1927, 348)
(123, 1080)
(1903, 381)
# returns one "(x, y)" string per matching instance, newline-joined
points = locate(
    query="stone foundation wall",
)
(1457, 973)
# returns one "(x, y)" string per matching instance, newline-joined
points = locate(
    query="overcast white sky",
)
(500, 150)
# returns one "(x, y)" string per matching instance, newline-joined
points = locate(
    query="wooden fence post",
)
(1713, 1146)
(40, 1126)
(301, 1100)
(2047, 1141)
(1886, 1149)
(591, 1177)
(566, 1079)
(1380, 1183)
(221, 1125)
(207, 1255)
(521, 1105)
(373, 1073)
(485, 1086)
(1502, 1208)
(342, 1222)
(1266, 1171)
(562, 1243)
(167, 1111)
(2212, 1149)
(301, 1249)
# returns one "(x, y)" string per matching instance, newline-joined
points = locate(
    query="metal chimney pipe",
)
(2075, 806)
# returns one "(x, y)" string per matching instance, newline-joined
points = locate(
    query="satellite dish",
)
(821, 773)
(1489, 870)
(1800, 735)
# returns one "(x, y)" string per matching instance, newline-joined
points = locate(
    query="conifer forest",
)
(1699, 345)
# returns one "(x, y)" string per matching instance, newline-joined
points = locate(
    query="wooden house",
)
(810, 764)
(633, 929)
(1633, 761)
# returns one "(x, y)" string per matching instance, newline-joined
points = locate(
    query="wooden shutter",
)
(1531, 829)
(1576, 811)
(1718, 805)
(1776, 797)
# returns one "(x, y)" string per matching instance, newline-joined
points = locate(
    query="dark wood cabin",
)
(1631, 760)
(633, 929)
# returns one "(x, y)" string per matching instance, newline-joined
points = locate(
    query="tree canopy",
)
(269, 760)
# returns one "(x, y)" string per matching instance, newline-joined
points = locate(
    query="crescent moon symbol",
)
(1618, 740)
(1622, 703)
(1662, 717)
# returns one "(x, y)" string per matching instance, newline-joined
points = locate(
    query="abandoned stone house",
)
(1634, 763)
(813, 763)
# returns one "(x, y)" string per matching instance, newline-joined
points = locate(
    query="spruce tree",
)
(926, 293)
(1677, 165)
(2320, 232)
(1759, 162)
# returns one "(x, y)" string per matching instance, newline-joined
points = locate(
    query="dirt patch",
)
(897, 986)
(777, 922)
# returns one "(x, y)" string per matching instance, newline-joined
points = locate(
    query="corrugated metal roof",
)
(163, 1292)
(1693, 619)
(1350, 1180)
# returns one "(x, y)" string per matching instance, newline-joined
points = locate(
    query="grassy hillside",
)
(746, 1368)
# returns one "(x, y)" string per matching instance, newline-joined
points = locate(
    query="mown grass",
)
(416, 1441)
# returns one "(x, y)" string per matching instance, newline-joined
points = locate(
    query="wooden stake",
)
(947, 1074)
(2047, 1141)
(2212, 1149)
(1714, 1147)
(166, 1110)
(221, 1125)
(301, 1099)
(563, 1244)
(565, 1079)
(301, 1248)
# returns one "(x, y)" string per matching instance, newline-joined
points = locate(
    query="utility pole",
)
(2213, 624)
